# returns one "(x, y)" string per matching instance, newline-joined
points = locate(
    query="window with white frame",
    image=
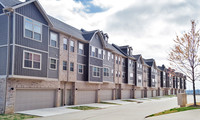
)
(93, 51)
(116, 73)
(32, 60)
(108, 55)
(112, 56)
(32, 29)
(104, 53)
(100, 54)
(119, 74)
(72, 46)
(64, 43)
(116, 59)
(131, 74)
(80, 69)
(96, 72)
(71, 66)
(139, 78)
(112, 72)
(119, 60)
(123, 75)
(53, 64)
(54, 39)
(123, 61)
(64, 65)
(96, 52)
(106, 72)
(81, 48)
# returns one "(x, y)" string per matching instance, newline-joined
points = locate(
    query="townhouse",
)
(47, 63)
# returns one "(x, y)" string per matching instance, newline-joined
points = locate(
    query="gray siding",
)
(3, 60)
(82, 77)
(53, 73)
(108, 64)
(3, 29)
(32, 11)
(19, 70)
(82, 59)
(21, 40)
(96, 41)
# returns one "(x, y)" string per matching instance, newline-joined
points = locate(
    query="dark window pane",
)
(28, 64)
(28, 33)
(53, 66)
(37, 36)
(64, 46)
(36, 65)
(53, 43)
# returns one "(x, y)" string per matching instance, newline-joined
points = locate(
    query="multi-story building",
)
(47, 63)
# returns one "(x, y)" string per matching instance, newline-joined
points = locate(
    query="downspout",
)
(8, 58)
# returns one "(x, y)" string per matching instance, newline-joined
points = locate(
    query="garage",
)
(154, 93)
(138, 93)
(161, 93)
(29, 99)
(149, 94)
(85, 97)
(105, 95)
(126, 94)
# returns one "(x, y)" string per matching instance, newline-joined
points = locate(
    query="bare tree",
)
(184, 55)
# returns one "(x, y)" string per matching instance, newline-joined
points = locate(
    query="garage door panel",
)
(105, 95)
(126, 94)
(149, 94)
(85, 97)
(138, 94)
(154, 93)
(34, 99)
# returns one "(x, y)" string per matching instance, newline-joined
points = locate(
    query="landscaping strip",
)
(132, 101)
(84, 108)
(109, 103)
(174, 110)
(16, 116)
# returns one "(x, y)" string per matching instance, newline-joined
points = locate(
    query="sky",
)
(149, 26)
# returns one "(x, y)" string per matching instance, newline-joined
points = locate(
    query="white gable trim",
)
(2, 4)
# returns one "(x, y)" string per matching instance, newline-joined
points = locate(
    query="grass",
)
(132, 101)
(84, 108)
(156, 98)
(15, 116)
(170, 96)
(109, 103)
(174, 110)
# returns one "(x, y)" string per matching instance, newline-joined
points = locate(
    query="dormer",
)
(127, 49)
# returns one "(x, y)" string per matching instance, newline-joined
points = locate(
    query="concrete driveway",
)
(131, 111)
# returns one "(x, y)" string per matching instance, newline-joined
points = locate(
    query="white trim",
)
(106, 72)
(65, 66)
(81, 49)
(82, 69)
(32, 60)
(13, 53)
(6, 45)
(2, 76)
(71, 46)
(70, 66)
(50, 63)
(2, 4)
(31, 48)
(34, 78)
(2, 14)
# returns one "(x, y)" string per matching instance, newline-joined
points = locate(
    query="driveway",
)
(131, 111)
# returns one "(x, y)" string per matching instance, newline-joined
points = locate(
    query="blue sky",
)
(90, 7)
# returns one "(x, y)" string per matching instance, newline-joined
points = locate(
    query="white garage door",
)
(138, 93)
(154, 93)
(105, 95)
(85, 97)
(126, 94)
(149, 94)
(161, 93)
(27, 99)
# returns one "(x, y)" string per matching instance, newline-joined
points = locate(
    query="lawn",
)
(15, 116)
(84, 108)
(132, 101)
(109, 103)
(174, 110)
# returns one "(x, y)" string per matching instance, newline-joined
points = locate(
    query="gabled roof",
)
(88, 35)
(150, 62)
(162, 68)
(10, 3)
(118, 48)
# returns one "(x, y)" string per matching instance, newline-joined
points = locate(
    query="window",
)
(130, 62)
(71, 66)
(106, 72)
(64, 65)
(112, 56)
(96, 72)
(96, 52)
(119, 60)
(112, 72)
(54, 39)
(131, 74)
(108, 55)
(116, 73)
(32, 29)
(123, 61)
(64, 43)
(32, 60)
(139, 78)
(119, 74)
(72, 46)
(123, 75)
(116, 59)
(99, 54)
(80, 46)
(104, 53)
(53, 64)
(80, 69)
(93, 51)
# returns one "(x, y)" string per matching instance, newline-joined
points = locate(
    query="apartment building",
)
(48, 63)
